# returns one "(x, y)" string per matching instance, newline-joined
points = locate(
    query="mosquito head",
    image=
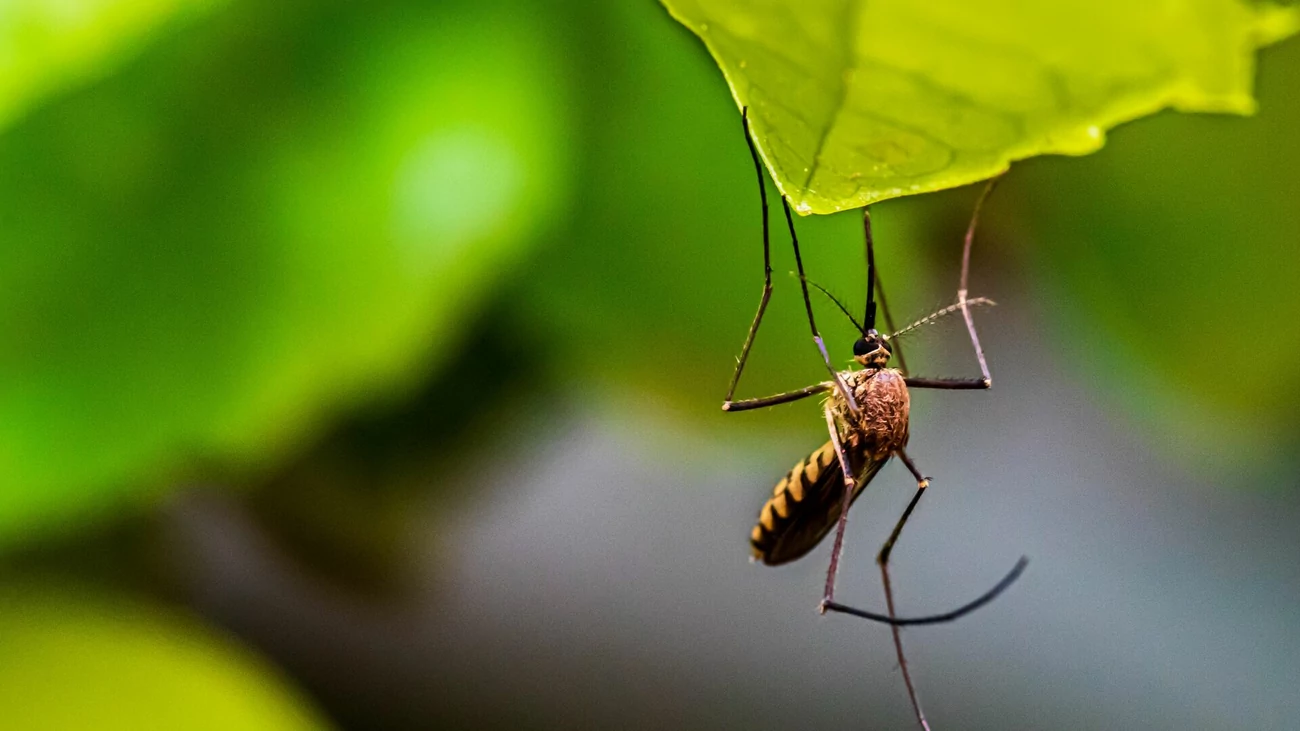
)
(871, 350)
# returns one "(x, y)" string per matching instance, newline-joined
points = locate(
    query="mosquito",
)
(867, 415)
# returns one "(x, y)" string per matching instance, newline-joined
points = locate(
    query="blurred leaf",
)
(275, 215)
(74, 660)
(1169, 262)
(355, 507)
(857, 102)
(47, 46)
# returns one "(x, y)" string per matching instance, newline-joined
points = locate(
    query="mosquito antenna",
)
(838, 304)
(870, 317)
(938, 314)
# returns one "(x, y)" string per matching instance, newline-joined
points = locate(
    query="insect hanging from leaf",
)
(867, 412)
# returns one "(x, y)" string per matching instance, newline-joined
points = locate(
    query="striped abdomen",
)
(806, 503)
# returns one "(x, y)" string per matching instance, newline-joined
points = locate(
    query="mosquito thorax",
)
(871, 350)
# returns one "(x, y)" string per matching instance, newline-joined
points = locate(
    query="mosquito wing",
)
(806, 504)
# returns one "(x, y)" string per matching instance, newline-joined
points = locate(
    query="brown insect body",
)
(807, 502)
(879, 427)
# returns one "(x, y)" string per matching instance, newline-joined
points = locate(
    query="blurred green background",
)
(360, 368)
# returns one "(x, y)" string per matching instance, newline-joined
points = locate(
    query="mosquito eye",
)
(862, 347)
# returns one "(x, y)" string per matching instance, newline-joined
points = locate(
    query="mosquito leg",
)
(1003, 584)
(780, 398)
(828, 595)
(970, 235)
(951, 384)
(807, 302)
(829, 605)
(874, 287)
(963, 285)
(922, 482)
(767, 270)
(894, 346)
(964, 304)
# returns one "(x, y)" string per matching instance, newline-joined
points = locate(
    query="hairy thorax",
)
(880, 426)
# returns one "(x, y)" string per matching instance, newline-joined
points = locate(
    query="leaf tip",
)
(1275, 23)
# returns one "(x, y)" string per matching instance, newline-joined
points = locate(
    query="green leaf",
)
(282, 213)
(855, 102)
(48, 46)
(657, 315)
(79, 660)
(1171, 274)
